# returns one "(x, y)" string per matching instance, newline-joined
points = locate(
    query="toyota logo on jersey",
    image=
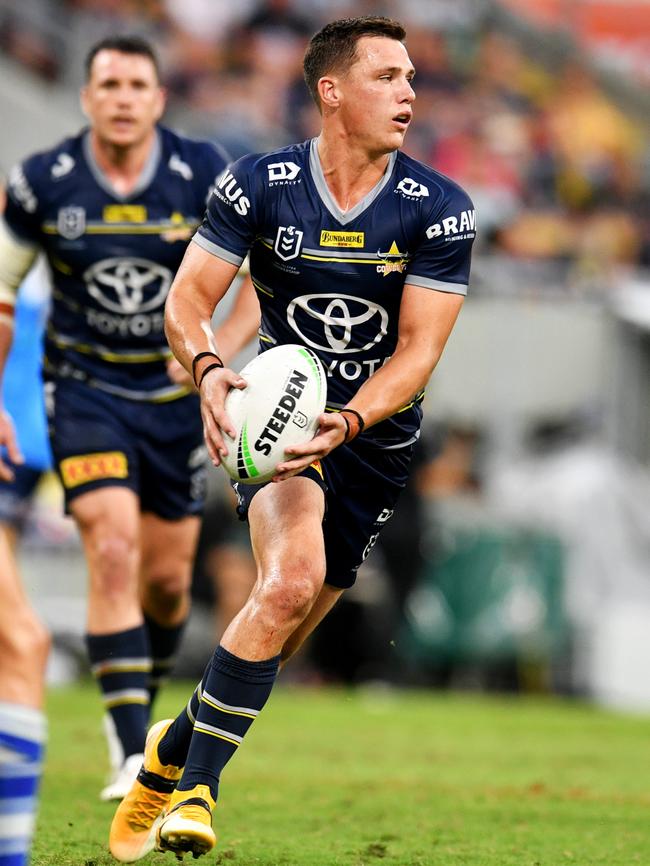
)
(342, 324)
(128, 285)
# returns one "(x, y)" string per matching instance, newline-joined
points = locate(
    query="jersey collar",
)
(146, 176)
(328, 199)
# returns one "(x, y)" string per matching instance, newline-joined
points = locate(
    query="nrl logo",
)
(71, 222)
(287, 242)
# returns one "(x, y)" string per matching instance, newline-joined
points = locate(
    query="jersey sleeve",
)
(228, 229)
(21, 211)
(442, 260)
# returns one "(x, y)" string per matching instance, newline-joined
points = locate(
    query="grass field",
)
(336, 778)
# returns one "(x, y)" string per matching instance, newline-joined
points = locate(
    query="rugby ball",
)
(280, 405)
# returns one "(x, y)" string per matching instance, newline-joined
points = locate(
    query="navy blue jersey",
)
(333, 280)
(112, 257)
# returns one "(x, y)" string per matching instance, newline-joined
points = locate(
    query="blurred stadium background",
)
(520, 558)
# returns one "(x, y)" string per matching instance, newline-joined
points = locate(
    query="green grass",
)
(335, 778)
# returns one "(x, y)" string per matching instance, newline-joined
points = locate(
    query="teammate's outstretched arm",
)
(425, 323)
(15, 261)
(200, 283)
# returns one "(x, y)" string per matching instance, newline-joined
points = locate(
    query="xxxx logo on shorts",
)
(93, 467)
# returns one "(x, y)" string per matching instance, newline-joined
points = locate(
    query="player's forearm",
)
(426, 321)
(15, 261)
(242, 323)
(202, 280)
(188, 327)
(395, 384)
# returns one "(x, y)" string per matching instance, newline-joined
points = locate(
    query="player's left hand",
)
(10, 442)
(332, 431)
(213, 391)
(179, 375)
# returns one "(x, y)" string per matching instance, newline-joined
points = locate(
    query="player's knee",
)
(288, 595)
(27, 644)
(114, 559)
(166, 592)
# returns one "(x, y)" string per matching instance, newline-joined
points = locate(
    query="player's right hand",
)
(213, 391)
(10, 443)
(179, 375)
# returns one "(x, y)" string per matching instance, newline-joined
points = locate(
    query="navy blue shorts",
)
(361, 484)
(16, 496)
(155, 449)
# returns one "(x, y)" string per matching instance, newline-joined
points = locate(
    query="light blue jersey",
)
(23, 384)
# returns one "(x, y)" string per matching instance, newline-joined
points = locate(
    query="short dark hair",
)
(334, 47)
(125, 45)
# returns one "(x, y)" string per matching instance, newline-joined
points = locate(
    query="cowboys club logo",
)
(287, 242)
(128, 285)
(339, 316)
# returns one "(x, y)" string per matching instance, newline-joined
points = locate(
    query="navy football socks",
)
(121, 665)
(174, 746)
(233, 693)
(163, 642)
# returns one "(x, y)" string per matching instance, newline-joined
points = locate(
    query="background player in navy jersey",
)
(362, 254)
(113, 208)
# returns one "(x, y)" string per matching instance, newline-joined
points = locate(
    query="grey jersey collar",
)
(344, 217)
(146, 176)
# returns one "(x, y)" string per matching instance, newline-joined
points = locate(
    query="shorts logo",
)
(336, 317)
(394, 262)
(128, 285)
(341, 239)
(282, 172)
(384, 517)
(71, 222)
(93, 467)
(287, 242)
(411, 188)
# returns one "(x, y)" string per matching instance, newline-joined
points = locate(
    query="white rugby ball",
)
(280, 405)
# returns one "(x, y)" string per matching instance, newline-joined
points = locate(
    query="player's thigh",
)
(92, 441)
(286, 529)
(108, 519)
(168, 548)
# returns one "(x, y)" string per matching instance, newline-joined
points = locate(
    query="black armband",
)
(214, 366)
(358, 424)
(197, 358)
